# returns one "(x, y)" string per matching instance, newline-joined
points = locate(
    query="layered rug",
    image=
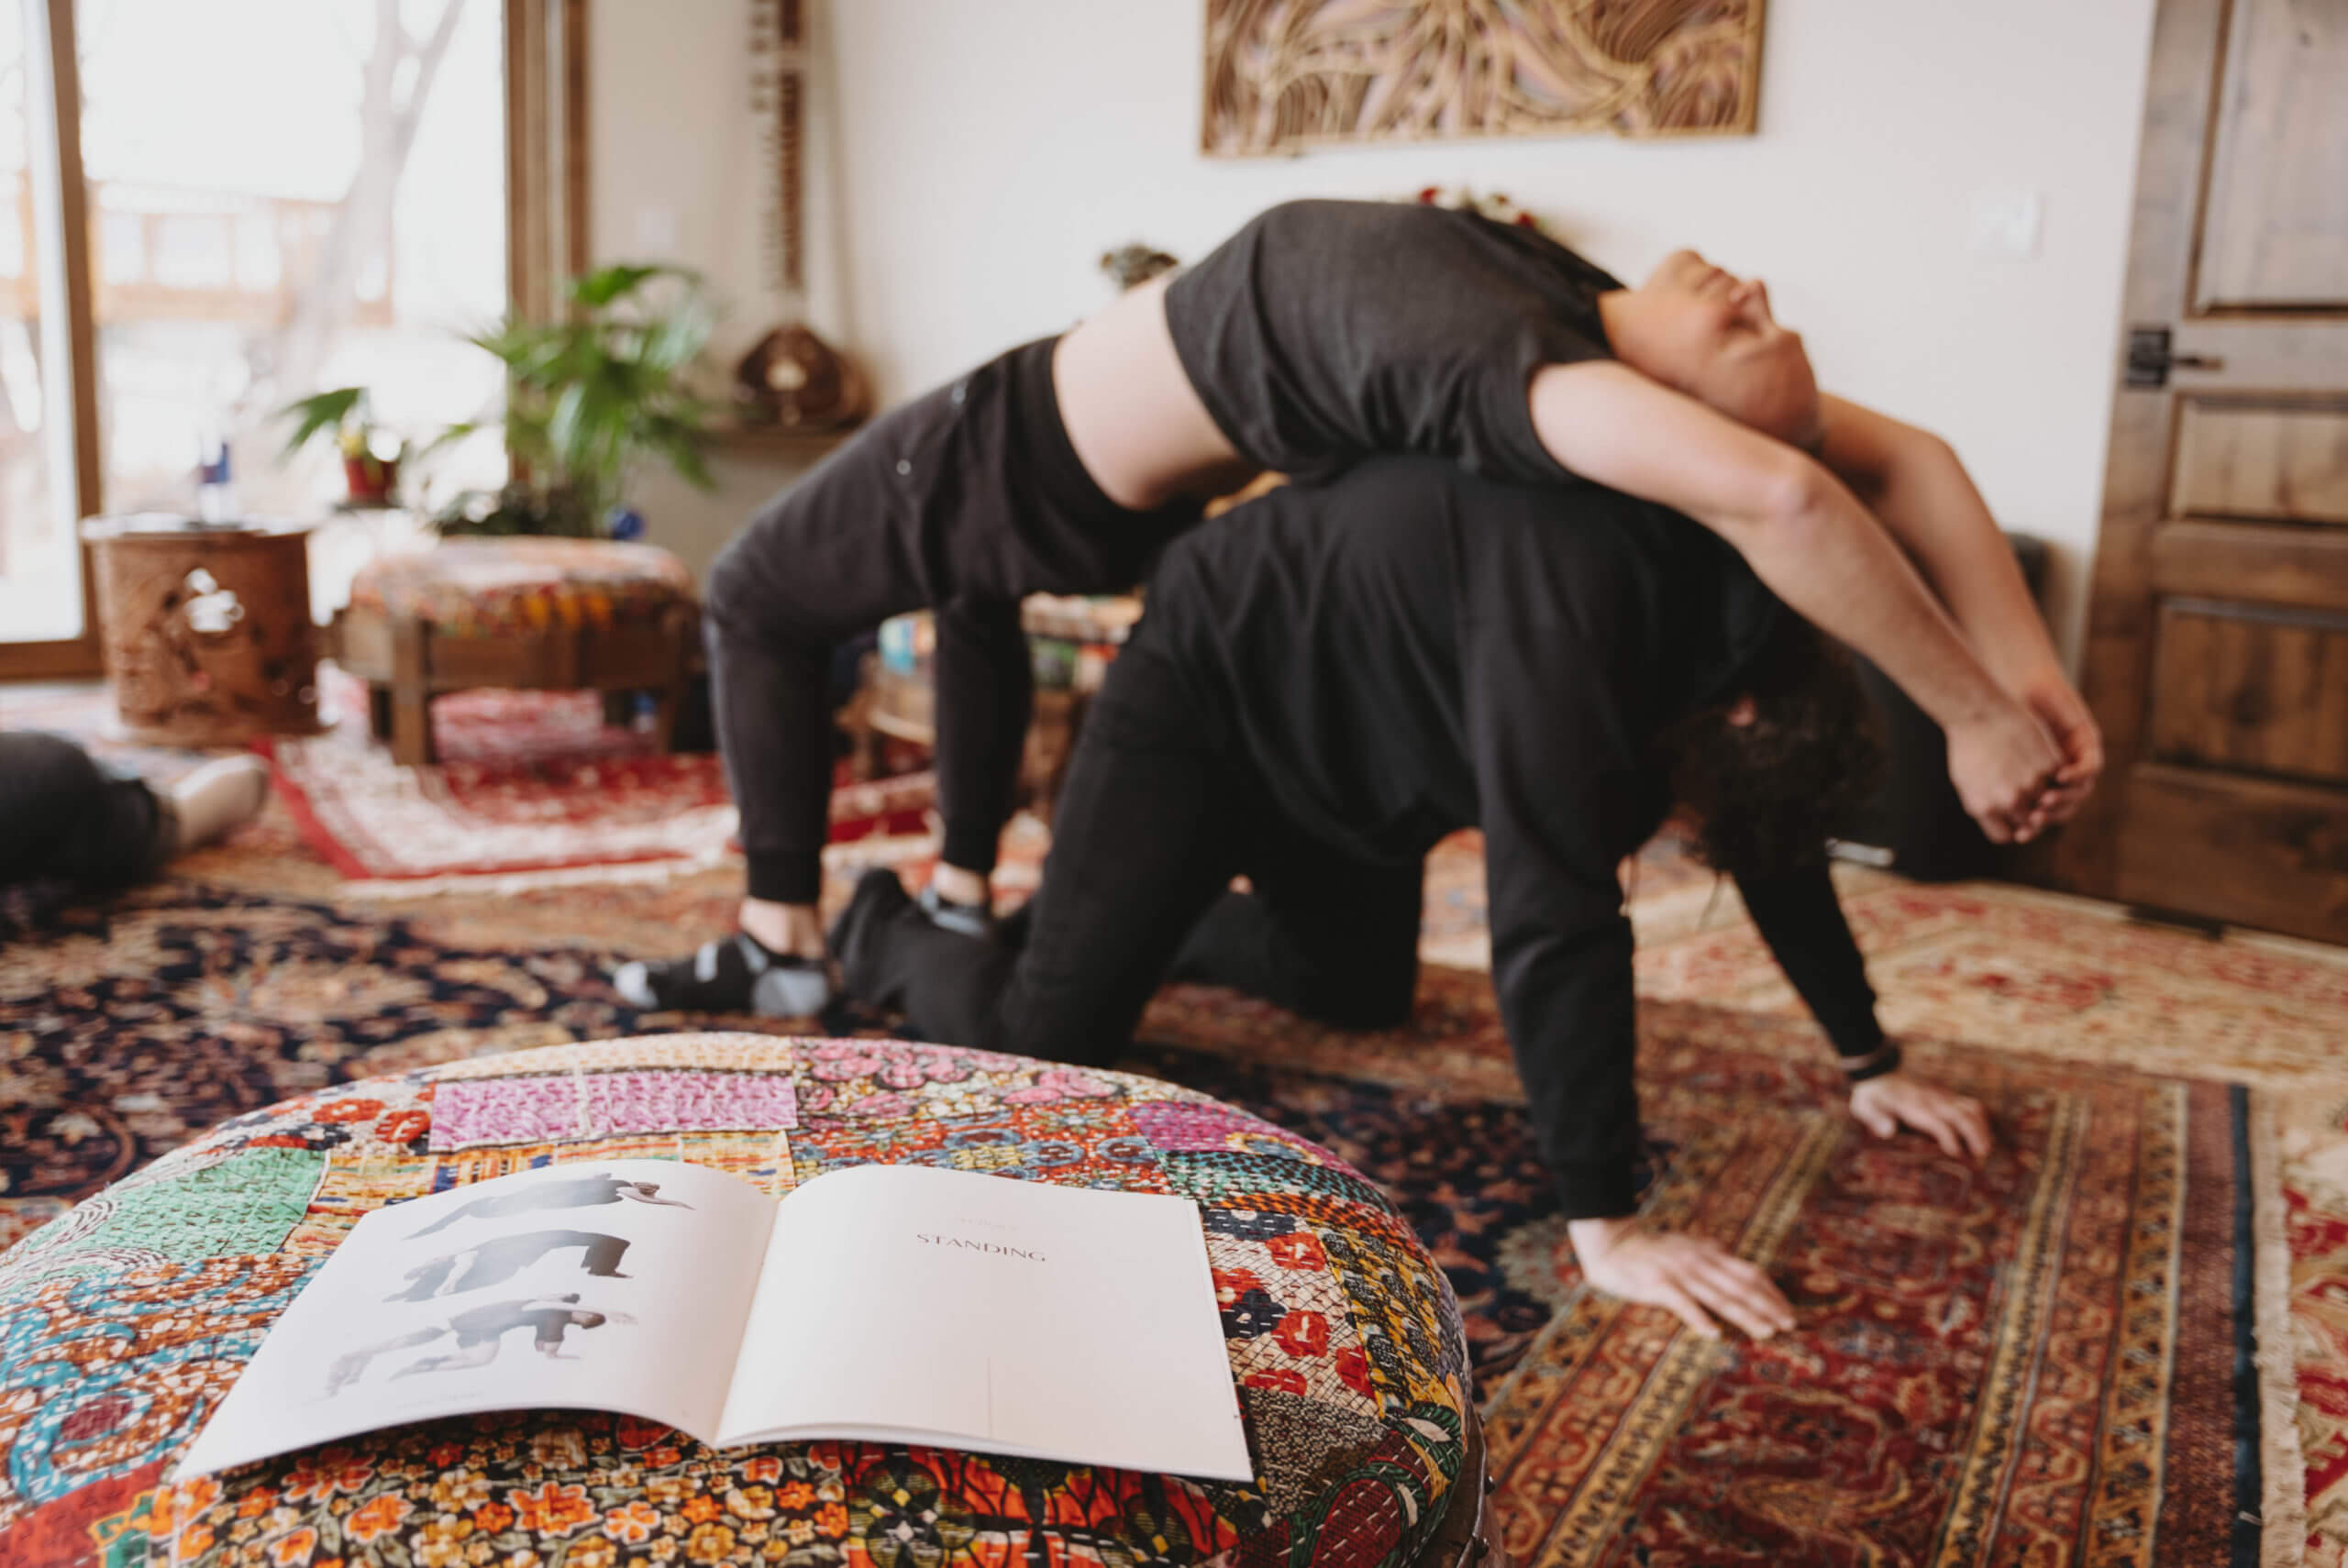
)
(2044, 1357)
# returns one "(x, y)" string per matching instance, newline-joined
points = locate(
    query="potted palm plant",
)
(371, 454)
(591, 396)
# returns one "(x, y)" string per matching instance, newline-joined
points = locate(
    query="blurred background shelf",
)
(778, 442)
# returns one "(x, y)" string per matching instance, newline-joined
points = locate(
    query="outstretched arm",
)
(1914, 484)
(1560, 790)
(1810, 540)
(1803, 922)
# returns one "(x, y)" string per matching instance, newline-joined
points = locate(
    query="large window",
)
(278, 197)
(287, 195)
(41, 581)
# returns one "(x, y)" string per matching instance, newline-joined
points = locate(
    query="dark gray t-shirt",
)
(1323, 333)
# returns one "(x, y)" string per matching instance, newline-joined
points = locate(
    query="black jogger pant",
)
(1153, 823)
(963, 501)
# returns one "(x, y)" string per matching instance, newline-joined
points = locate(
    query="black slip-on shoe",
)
(734, 974)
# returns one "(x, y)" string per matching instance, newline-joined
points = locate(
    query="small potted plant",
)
(371, 454)
(589, 397)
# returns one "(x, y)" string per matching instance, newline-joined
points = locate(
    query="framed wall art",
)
(1283, 75)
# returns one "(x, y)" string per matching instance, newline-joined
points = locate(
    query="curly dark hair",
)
(1766, 795)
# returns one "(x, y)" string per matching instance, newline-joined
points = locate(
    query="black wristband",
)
(1884, 1059)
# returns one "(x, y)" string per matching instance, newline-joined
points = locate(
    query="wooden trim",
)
(75, 661)
(776, 443)
(2297, 566)
(2116, 666)
(547, 175)
(578, 210)
(69, 343)
(529, 261)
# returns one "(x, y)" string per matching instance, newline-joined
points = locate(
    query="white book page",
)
(905, 1303)
(606, 1284)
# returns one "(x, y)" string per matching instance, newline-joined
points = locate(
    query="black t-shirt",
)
(1326, 332)
(1409, 650)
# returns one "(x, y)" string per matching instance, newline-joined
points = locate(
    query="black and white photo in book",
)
(499, 1259)
(567, 1192)
(1027, 1301)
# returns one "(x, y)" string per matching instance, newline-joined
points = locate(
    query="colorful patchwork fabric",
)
(485, 588)
(124, 1322)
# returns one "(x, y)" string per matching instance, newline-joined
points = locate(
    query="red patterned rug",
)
(533, 789)
(2042, 1359)
(2047, 1358)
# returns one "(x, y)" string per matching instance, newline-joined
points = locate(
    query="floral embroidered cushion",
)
(125, 1321)
(504, 586)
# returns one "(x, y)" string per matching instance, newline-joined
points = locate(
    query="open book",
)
(892, 1303)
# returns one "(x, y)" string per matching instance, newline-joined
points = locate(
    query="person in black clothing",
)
(1326, 682)
(1322, 334)
(71, 823)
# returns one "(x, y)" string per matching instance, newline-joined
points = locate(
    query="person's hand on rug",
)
(1957, 1122)
(1693, 1277)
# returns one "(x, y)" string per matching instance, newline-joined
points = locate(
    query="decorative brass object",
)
(793, 378)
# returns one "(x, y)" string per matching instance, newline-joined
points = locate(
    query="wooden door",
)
(2217, 650)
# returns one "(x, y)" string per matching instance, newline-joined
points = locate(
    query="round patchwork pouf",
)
(125, 1321)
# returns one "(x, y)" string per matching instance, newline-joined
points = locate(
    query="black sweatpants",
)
(65, 816)
(1156, 818)
(963, 501)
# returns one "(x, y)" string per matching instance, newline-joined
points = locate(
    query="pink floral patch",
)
(1186, 1126)
(469, 1112)
(897, 1067)
(1061, 1083)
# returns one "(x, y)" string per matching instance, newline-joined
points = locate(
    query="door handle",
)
(2150, 358)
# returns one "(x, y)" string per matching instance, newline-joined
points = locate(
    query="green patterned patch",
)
(244, 1205)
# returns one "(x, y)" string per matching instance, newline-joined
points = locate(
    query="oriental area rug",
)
(2123, 1339)
(1999, 1363)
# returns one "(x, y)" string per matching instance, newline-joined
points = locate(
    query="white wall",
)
(973, 158)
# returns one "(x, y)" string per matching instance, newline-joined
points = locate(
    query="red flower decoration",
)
(1298, 1249)
(403, 1126)
(1231, 1284)
(1302, 1334)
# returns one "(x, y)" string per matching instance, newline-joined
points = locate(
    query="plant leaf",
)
(602, 286)
(320, 410)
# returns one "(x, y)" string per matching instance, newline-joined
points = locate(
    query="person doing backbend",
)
(1329, 679)
(1323, 334)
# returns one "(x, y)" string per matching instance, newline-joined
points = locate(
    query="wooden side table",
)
(207, 630)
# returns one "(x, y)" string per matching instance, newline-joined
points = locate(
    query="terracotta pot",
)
(369, 478)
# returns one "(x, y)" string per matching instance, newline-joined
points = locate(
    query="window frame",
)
(545, 242)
